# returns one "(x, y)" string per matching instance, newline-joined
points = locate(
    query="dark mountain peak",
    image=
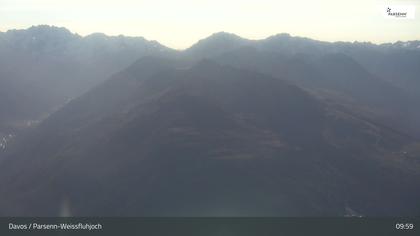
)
(48, 28)
(221, 39)
(42, 31)
(215, 44)
(102, 36)
(285, 43)
(222, 35)
(41, 39)
(281, 35)
(287, 37)
(96, 36)
(101, 40)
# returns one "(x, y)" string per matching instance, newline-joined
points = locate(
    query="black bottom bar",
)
(210, 226)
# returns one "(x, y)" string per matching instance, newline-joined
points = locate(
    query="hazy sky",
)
(180, 23)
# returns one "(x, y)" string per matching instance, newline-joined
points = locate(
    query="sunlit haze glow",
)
(181, 23)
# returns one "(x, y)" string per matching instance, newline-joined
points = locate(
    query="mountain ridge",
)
(162, 141)
(285, 126)
(410, 44)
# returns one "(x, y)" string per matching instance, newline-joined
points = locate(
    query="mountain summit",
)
(216, 44)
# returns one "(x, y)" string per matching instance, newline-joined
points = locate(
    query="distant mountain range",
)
(43, 67)
(284, 126)
(69, 65)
